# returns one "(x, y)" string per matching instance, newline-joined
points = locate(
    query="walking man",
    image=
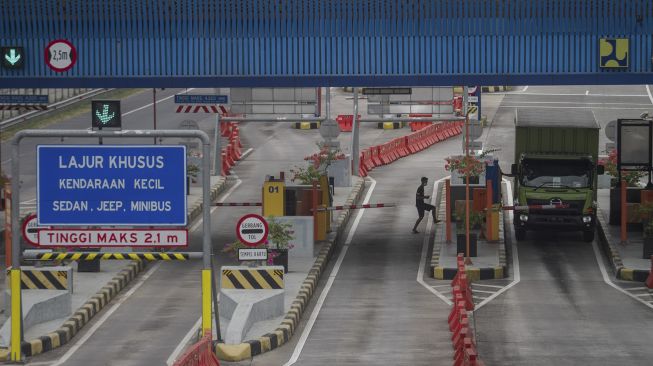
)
(422, 206)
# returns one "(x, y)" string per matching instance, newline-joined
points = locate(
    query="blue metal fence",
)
(327, 42)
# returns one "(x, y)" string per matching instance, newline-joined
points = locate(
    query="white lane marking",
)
(557, 107)
(594, 103)
(478, 284)
(650, 95)
(576, 94)
(425, 247)
(224, 197)
(515, 256)
(525, 88)
(645, 294)
(332, 276)
(587, 92)
(483, 291)
(637, 288)
(150, 104)
(106, 316)
(182, 344)
(607, 280)
(247, 152)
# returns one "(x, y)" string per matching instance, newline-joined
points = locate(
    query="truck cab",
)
(555, 172)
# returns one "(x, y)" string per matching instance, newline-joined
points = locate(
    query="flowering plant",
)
(472, 164)
(631, 177)
(319, 163)
(465, 164)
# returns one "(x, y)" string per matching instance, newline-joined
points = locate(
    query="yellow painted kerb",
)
(15, 315)
(206, 300)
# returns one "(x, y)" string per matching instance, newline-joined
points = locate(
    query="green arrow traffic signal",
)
(105, 114)
(13, 57)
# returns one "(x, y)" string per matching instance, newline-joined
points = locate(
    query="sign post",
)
(16, 326)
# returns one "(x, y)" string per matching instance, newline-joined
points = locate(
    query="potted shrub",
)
(475, 223)
(632, 179)
(319, 163)
(278, 242)
(192, 171)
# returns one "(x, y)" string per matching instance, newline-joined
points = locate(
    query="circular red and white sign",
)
(60, 55)
(31, 229)
(252, 230)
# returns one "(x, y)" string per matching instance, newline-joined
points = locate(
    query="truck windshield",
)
(556, 173)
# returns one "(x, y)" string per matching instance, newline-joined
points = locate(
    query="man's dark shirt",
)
(419, 200)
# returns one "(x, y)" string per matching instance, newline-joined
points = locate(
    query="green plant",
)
(279, 235)
(646, 214)
(476, 219)
(192, 171)
(319, 163)
(631, 177)
(465, 164)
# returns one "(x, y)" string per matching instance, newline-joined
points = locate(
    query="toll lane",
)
(376, 311)
(561, 312)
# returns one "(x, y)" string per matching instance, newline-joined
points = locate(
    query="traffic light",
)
(106, 114)
(13, 57)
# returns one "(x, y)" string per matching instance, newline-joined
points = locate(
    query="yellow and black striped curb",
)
(609, 246)
(472, 109)
(474, 274)
(495, 89)
(281, 335)
(390, 125)
(306, 125)
(43, 279)
(55, 256)
(252, 279)
(81, 317)
(195, 210)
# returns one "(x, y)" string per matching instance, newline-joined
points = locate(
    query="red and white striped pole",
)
(356, 207)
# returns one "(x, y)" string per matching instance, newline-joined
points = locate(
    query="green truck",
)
(555, 170)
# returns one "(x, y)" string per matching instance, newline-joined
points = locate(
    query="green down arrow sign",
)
(106, 114)
(13, 57)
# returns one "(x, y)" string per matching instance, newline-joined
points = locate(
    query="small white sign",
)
(472, 99)
(252, 254)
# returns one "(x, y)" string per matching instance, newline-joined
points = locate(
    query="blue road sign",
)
(23, 99)
(200, 99)
(111, 185)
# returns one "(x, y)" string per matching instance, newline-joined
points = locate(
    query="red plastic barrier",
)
(346, 122)
(199, 354)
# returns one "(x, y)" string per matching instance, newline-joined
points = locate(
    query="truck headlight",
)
(523, 217)
(587, 219)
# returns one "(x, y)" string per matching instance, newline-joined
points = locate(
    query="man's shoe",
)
(437, 221)
(415, 231)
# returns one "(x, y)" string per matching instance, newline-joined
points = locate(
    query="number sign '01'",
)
(252, 230)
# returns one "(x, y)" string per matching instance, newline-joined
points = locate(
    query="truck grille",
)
(575, 207)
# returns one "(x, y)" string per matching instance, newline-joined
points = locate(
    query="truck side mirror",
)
(513, 169)
(600, 169)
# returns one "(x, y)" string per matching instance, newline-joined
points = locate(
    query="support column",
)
(217, 159)
(355, 144)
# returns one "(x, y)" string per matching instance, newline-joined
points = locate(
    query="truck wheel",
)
(588, 236)
(520, 233)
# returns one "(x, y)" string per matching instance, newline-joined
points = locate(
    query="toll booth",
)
(288, 199)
